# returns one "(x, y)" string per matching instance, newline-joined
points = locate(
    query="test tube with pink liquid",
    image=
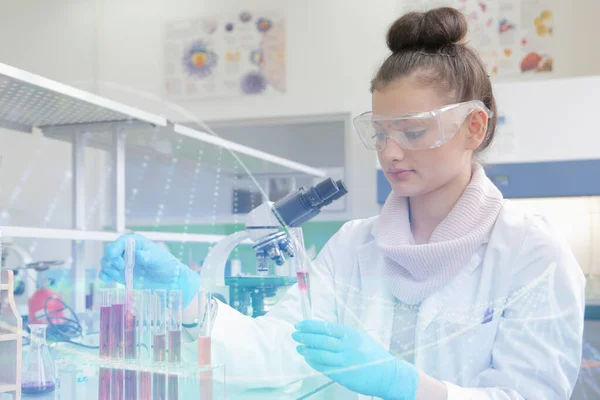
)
(105, 343)
(300, 263)
(117, 340)
(131, 316)
(204, 342)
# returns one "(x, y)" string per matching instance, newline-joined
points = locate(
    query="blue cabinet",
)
(533, 180)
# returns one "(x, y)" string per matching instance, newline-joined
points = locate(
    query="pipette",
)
(129, 262)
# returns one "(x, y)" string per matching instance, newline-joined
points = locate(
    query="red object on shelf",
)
(36, 307)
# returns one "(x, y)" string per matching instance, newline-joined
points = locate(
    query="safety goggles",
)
(418, 131)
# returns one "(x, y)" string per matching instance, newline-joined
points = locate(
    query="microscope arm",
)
(21, 253)
(212, 273)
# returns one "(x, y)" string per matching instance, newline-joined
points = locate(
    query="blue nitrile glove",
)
(155, 268)
(355, 360)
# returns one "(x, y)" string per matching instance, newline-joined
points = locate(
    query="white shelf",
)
(5, 388)
(28, 100)
(5, 337)
(103, 236)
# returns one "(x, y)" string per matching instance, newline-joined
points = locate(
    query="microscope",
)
(30, 286)
(266, 229)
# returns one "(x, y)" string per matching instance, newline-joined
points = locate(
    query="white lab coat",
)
(509, 326)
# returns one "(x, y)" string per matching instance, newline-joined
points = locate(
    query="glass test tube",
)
(105, 342)
(204, 342)
(117, 341)
(145, 342)
(300, 262)
(130, 319)
(159, 380)
(131, 316)
(174, 326)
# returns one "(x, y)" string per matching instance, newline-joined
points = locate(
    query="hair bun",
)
(432, 29)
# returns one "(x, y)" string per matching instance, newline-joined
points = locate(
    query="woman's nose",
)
(392, 151)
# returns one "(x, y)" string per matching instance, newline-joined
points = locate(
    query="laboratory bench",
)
(77, 386)
(80, 380)
(77, 381)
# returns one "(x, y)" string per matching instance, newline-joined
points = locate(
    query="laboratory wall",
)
(114, 47)
(577, 219)
(334, 47)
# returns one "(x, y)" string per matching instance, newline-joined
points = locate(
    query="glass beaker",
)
(39, 374)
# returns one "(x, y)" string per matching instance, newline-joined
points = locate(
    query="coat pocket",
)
(466, 340)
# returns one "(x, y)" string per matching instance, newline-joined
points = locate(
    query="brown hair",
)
(432, 45)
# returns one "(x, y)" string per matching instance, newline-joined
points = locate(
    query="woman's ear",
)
(477, 124)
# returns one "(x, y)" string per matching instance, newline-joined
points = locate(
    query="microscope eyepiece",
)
(299, 207)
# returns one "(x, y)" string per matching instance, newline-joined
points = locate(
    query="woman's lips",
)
(399, 173)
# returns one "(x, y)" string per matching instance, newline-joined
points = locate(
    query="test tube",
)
(300, 263)
(105, 343)
(145, 342)
(204, 342)
(117, 341)
(159, 380)
(131, 317)
(0, 253)
(175, 316)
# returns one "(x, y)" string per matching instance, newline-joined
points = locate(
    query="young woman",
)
(449, 293)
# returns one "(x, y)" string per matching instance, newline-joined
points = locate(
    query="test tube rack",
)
(140, 349)
(11, 334)
(183, 370)
(192, 379)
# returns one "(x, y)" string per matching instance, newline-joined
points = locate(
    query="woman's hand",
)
(355, 360)
(155, 267)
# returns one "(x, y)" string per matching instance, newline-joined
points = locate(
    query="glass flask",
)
(39, 374)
